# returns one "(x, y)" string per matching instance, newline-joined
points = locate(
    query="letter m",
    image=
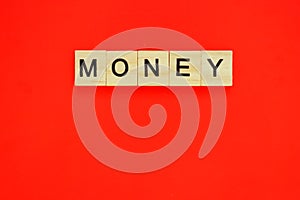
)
(83, 67)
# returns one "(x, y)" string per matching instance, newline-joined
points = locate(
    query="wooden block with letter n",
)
(153, 68)
(216, 68)
(121, 68)
(90, 67)
(185, 68)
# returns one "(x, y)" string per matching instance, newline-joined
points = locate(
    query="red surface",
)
(257, 156)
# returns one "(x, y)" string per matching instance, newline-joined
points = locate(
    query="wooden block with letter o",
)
(121, 68)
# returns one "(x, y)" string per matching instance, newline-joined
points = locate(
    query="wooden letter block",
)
(90, 68)
(216, 68)
(153, 68)
(185, 68)
(121, 68)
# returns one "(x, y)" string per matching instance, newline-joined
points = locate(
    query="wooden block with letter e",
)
(185, 68)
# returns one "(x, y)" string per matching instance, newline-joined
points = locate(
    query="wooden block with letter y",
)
(216, 68)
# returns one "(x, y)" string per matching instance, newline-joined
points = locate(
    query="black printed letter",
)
(215, 67)
(113, 67)
(155, 71)
(178, 66)
(88, 72)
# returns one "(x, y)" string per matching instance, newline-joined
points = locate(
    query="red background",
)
(256, 157)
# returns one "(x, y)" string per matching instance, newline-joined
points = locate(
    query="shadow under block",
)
(90, 67)
(153, 68)
(222, 74)
(185, 68)
(121, 68)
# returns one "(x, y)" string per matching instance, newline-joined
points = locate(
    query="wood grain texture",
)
(88, 57)
(223, 76)
(153, 68)
(193, 64)
(151, 79)
(130, 78)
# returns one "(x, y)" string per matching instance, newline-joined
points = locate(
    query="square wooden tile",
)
(90, 67)
(216, 68)
(121, 68)
(185, 68)
(153, 68)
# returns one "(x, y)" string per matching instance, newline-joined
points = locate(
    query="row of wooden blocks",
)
(153, 68)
